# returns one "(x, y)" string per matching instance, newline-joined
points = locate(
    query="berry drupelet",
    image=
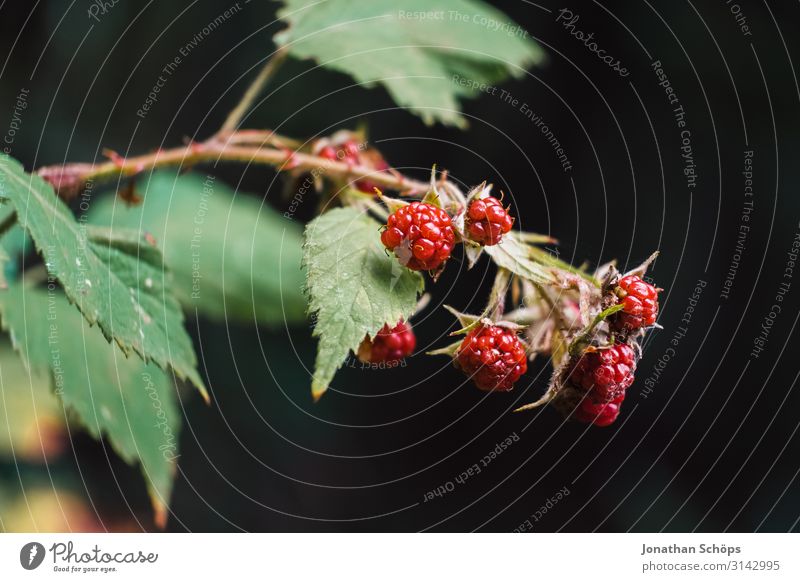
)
(487, 221)
(493, 356)
(421, 236)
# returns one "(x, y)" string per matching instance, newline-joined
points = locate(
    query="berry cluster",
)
(640, 304)
(421, 236)
(601, 377)
(487, 221)
(351, 153)
(493, 356)
(390, 345)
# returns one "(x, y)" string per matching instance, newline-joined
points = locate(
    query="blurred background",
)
(708, 437)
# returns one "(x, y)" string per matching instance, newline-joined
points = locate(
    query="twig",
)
(249, 97)
(259, 137)
(213, 151)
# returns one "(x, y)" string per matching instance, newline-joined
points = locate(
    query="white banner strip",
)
(400, 557)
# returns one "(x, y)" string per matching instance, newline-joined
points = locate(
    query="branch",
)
(70, 180)
(255, 88)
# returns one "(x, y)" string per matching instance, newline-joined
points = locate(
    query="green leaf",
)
(515, 256)
(118, 281)
(353, 286)
(426, 54)
(16, 240)
(232, 257)
(130, 402)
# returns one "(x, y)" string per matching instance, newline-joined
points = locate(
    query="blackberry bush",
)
(374, 229)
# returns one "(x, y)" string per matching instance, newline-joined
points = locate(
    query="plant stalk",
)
(268, 70)
(214, 151)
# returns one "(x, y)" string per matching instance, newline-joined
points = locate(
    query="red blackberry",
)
(421, 236)
(606, 373)
(487, 221)
(388, 345)
(640, 303)
(493, 356)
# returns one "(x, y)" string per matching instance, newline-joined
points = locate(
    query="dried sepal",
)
(479, 192)
(466, 320)
(590, 298)
(449, 350)
(642, 269)
(393, 204)
(433, 196)
(587, 335)
(472, 251)
(602, 272)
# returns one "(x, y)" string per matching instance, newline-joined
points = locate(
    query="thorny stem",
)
(214, 150)
(259, 137)
(255, 88)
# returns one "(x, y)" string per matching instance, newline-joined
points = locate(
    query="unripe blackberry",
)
(640, 304)
(421, 236)
(487, 221)
(493, 356)
(388, 345)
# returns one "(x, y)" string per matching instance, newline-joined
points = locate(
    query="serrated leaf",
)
(515, 256)
(16, 240)
(353, 286)
(130, 402)
(427, 55)
(117, 283)
(232, 257)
